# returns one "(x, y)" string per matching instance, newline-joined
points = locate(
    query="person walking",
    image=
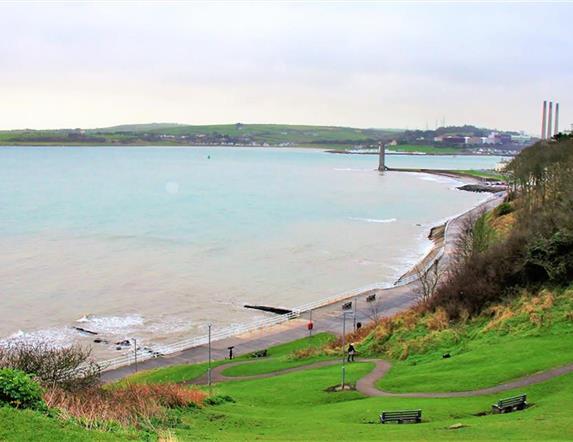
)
(351, 352)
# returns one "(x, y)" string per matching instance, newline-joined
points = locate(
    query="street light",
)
(343, 348)
(209, 365)
(135, 352)
(354, 314)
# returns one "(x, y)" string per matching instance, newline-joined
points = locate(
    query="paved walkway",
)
(326, 319)
(367, 384)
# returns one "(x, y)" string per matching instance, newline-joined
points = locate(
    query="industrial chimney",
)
(556, 118)
(550, 121)
(544, 120)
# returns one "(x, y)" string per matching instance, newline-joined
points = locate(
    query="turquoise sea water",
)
(155, 242)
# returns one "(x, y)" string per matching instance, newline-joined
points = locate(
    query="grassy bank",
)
(427, 149)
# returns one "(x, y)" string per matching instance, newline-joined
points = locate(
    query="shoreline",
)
(242, 146)
(325, 313)
(326, 318)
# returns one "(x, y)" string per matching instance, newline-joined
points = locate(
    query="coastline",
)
(242, 146)
(324, 313)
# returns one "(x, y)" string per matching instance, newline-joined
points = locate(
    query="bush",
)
(19, 390)
(218, 400)
(69, 368)
(554, 255)
(503, 209)
(132, 405)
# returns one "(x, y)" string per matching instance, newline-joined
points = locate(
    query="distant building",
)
(453, 140)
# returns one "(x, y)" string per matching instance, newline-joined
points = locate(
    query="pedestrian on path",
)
(351, 352)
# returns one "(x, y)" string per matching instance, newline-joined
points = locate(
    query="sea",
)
(154, 243)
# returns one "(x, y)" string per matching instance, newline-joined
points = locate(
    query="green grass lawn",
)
(482, 363)
(435, 150)
(488, 174)
(281, 358)
(296, 407)
(27, 425)
(278, 358)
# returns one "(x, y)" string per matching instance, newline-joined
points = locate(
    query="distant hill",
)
(222, 134)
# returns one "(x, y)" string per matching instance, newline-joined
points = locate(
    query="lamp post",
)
(209, 364)
(354, 314)
(135, 352)
(343, 348)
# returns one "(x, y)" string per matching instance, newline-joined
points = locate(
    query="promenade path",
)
(367, 384)
(326, 319)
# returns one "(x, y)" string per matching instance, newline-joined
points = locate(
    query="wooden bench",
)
(510, 404)
(400, 417)
(259, 354)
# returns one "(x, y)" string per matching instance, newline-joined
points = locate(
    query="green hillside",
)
(223, 134)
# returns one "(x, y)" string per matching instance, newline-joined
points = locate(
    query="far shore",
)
(327, 149)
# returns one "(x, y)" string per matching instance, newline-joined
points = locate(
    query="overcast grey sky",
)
(353, 64)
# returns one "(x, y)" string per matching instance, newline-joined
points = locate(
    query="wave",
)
(56, 337)
(375, 220)
(111, 324)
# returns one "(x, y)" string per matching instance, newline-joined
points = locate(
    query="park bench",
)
(400, 417)
(259, 354)
(510, 404)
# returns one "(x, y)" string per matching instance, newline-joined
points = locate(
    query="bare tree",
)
(374, 311)
(428, 280)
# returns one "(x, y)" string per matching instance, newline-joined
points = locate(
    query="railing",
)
(228, 332)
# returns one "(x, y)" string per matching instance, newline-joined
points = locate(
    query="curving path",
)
(367, 384)
(218, 376)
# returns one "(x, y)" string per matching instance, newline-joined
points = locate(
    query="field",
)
(223, 134)
(433, 150)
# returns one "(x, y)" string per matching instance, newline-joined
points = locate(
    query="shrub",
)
(132, 405)
(218, 400)
(69, 368)
(19, 390)
(554, 255)
(503, 209)
(304, 353)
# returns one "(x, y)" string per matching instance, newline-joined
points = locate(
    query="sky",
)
(360, 64)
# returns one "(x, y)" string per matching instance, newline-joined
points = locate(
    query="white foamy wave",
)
(375, 220)
(439, 179)
(111, 324)
(57, 337)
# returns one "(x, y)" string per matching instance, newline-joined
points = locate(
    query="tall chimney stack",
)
(556, 118)
(544, 120)
(550, 121)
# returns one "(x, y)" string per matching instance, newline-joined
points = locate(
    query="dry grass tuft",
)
(438, 320)
(501, 313)
(166, 436)
(127, 406)
(407, 320)
(503, 224)
(405, 352)
(304, 353)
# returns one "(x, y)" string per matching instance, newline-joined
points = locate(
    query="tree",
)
(428, 280)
